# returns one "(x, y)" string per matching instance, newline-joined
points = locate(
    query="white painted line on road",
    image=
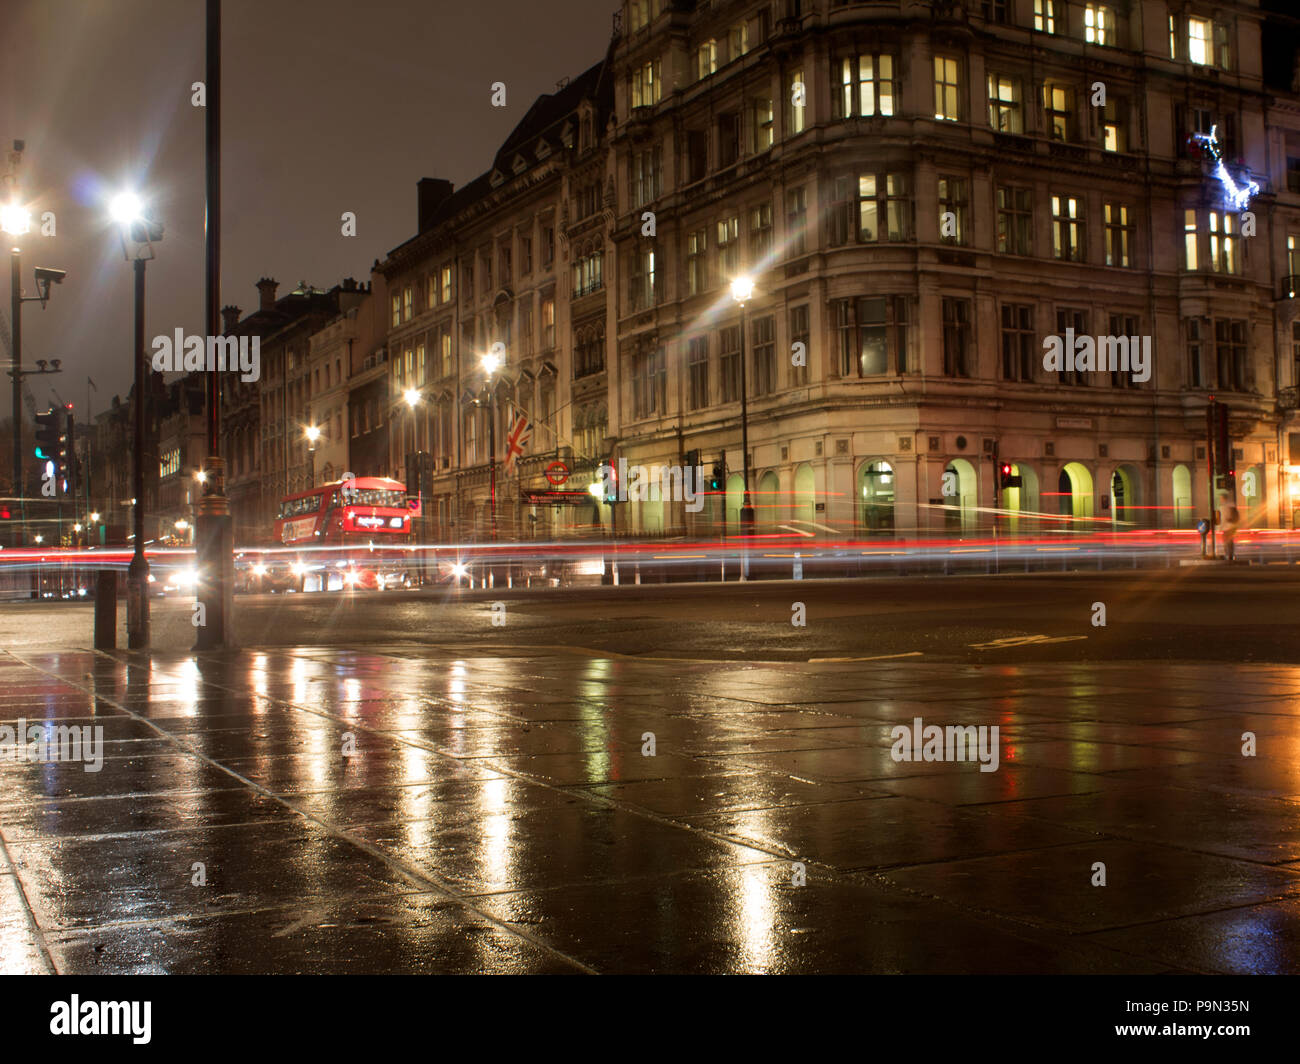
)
(1025, 641)
(878, 657)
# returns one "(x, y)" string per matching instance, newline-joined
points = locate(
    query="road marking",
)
(1024, 641)
(878, 657)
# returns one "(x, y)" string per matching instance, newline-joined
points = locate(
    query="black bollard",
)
(106, 609)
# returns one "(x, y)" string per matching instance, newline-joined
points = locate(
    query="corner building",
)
(922, 193)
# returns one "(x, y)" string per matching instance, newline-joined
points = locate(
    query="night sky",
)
(329, 106)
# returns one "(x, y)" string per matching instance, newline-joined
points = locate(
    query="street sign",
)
(557, 498)
(557, 473)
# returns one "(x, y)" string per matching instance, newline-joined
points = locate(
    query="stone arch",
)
(877, 488)
(768, 505)
(1075, 495)
(1253, 495)
(1023, 501)
(1182, 495)
(735, 498)
(959, 487)
(805, 494)
(1125, 498)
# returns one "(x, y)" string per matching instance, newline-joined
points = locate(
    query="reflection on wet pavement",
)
(320, 810)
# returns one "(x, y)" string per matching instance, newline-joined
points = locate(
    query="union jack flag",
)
(517, 438)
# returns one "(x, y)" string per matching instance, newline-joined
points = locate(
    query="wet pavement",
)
(355, 810)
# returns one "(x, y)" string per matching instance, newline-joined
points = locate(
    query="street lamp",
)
(742, 290)
(312, 433)
(140, 233)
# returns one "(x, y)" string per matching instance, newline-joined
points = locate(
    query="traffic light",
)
(716, 477)
(692, 459)
(47, 434)
(1225, 465)
(1005, 477)
(609, 477)
(65, 454)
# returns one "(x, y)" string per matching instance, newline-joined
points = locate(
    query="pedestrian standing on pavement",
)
(1229, 521)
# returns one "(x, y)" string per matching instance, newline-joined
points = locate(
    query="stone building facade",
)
(922, 195)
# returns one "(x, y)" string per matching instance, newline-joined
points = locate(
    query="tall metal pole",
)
(214, 541)
(492, 453)
(747, 508)
(137, 576)
(15, 360)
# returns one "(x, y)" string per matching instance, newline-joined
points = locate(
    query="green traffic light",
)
(41, 456)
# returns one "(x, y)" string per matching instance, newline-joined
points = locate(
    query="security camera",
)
(46, 274)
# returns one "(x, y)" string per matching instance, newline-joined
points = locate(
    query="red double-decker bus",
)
(370, 514)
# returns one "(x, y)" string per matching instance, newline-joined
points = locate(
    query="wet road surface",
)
(321, 809)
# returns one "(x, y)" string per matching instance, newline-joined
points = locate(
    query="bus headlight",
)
(298, 568)
(259, 569)
(458, 569)
(352, 577)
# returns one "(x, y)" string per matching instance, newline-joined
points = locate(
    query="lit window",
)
(1119, 234)
(873, 78)
(798, 97)
(1045, 16)
(1005, 113)
(1067, 228)
(1224, 254)
(706, 59)
(1198, 41)
(645, 85)
(1099, 24)
(1189, 239)
(945, 89)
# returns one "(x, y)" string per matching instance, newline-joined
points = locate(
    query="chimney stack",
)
(432, 193)
(266, 289)
(229, 319)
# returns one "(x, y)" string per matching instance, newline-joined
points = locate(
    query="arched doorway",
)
(1022, 501)
(959, 487)
(1125, 504)
(1182, 497)
(769, 510)
(1252, 495)
(805, 494)
(1074, 491)
(876, 492)
(735, 500)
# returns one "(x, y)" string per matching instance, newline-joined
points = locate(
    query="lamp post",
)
(491, 362)
(138, 234)
(313, 437)
(15, 220)
(214, 536)
(742, 289)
